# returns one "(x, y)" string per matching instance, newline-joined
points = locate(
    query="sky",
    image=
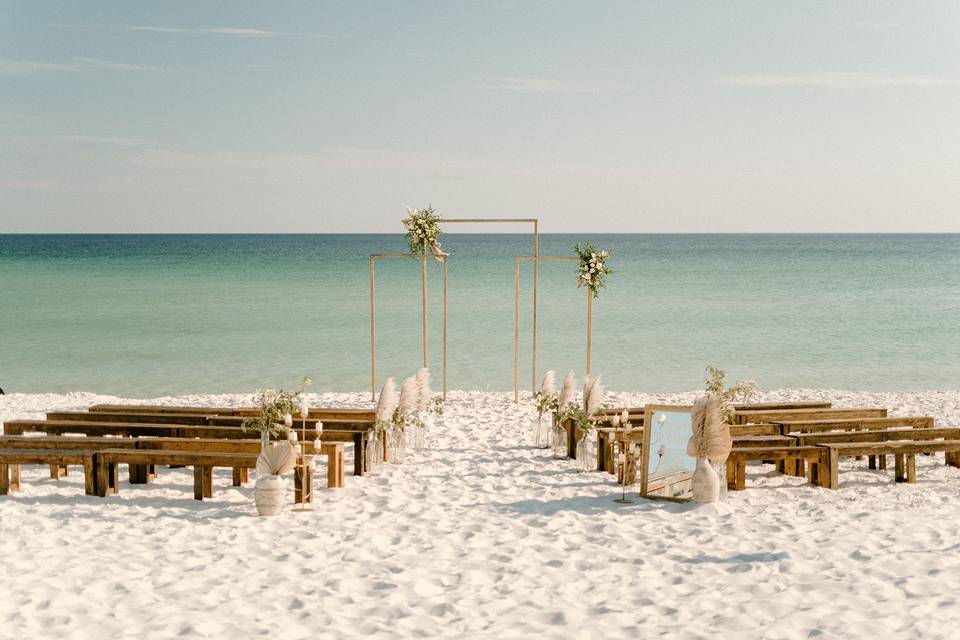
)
(592, 116)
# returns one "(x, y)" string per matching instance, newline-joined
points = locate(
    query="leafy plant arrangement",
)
(741, 391)
(423, 230)
(584, 416)
(276, 411)
(593, 268)
(566, 404)
(546, 398)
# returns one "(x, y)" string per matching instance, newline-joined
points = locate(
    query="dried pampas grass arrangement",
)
(423, 389)
(549, 386)
(277, 459)
(387, 402)
(711, 434)
(593, 397)
(567, 391)
(408, 399)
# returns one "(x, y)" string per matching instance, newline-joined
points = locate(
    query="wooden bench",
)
(786, 415)
(58, 443)
(811, 426)
(322, 413)
(817, 459)
(880, 435)
(779, 406)
(107, 482)
(13, 458)
(904, 453)
(332, 450)
(762, 429)
(134, 430)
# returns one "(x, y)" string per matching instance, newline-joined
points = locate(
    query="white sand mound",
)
(483, 536)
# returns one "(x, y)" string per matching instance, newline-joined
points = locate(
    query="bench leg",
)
(911, 468)
(208, 482)
(731, 476)
(340, 474)
(882, 462)
(359, 453)
(197, 482)
(740, 483)
(151, 472)
(831, 473)
(899, 473)
(335, 471)
(138, 473)
(238, 476)
(4, 479)
(14, 477)
(89, 477)
(54, 472)
(871, 462)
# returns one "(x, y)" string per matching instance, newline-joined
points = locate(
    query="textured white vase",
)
(270, 494)
(706, 483)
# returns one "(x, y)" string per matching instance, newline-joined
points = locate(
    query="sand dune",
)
(483, 536)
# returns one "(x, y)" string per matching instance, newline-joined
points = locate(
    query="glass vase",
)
(541, 435)
(395, 445)
(585, 453)
(374, 457)
(559, 441)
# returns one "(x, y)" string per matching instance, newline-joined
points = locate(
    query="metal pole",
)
(373, 338)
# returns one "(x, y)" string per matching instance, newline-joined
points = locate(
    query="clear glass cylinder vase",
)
(374, 454)
(585, 453)
(559, 441)
(540, 432)
(395, 445)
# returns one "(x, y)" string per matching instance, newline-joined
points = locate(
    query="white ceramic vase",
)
(270, 494)
(706, 483)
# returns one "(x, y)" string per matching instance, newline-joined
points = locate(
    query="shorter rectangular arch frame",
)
(516, 323)
(422, 257)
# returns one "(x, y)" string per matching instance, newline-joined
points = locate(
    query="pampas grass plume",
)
(549, 383)
(423, 389)
(594, 398)
(710, 433)
(408, 397)
(567, 391)
(387, 401)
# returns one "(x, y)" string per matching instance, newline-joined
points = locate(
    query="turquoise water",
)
(149, 315)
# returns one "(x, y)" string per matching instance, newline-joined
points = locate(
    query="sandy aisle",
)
(481, 535)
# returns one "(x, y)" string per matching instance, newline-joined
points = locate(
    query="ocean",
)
(150, 315)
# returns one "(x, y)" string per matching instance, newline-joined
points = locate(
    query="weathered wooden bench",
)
(203, 463)
(789, 427)
(315, 412)
(878, 435)
(904, 453)
(13, 458)
(135, 430)
(762, 429)
(817, 459)
(332, 450)
(781, 415)
(780, 406)
(58, 443)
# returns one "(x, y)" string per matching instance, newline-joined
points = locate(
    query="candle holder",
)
(306, 478)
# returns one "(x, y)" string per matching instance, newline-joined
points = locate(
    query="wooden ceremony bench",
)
(757, 416)
(58, 443)
(107, 482)
(818, 459)
(13, 458)
(322, 413)
(904, 453)
(780, 406)
(789, 427)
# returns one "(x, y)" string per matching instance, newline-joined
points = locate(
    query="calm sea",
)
(168, 314)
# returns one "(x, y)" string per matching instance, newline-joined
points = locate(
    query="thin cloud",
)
(24, 67)
(243, 32)
(835, 81)
(541, 85)
(73, 138)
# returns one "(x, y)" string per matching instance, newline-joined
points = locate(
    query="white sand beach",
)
(483, 536)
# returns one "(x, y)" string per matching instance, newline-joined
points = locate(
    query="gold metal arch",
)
(516, 322)
(422, 257)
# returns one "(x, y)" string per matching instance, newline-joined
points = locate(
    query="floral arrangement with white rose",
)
(593, 267)
(276, 411)
(423, 230)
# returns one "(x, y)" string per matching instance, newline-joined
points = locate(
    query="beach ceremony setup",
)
(479, 320)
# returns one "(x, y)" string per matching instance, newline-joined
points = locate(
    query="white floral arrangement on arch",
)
(593, 267)
(423, 230)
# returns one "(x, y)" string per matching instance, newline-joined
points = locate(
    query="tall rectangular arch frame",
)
(422, 257)
(536, 268)
(516, 320)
